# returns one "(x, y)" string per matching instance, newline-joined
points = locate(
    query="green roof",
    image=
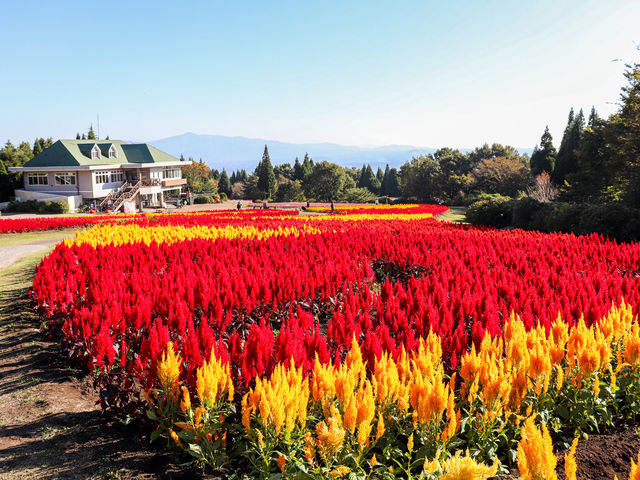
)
(72, 153)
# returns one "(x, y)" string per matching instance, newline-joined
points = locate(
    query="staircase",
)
(125, 192)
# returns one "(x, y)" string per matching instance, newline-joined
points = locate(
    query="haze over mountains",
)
(234, 153)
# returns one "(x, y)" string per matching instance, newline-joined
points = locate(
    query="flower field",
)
(375, 342)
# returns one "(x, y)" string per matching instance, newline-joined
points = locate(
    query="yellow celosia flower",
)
(212, 380)
(466, 468)
(536, 460)
(374, 460)
(185, 403)
(330, 437)
(340, 471)
(570, 467)
(169, 369)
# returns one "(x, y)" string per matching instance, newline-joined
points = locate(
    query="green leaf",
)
(151, 415)
(154, 435)
(195, 450)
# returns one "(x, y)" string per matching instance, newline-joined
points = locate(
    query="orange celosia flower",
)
(169, 369)
(536, 460)
(570, 467)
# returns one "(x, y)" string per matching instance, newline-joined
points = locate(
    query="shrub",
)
(202, 199)
(223, 197)
(524, 210)
(36, 206)
(494, 212)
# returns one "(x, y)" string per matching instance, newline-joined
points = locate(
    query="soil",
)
(51, 428)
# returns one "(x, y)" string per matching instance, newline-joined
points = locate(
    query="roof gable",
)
(72, 153)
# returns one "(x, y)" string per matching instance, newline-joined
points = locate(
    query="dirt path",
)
(12, 253)
(50, 427)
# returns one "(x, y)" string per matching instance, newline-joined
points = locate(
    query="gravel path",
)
(12, 253)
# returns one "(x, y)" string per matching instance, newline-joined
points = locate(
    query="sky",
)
(425, 73)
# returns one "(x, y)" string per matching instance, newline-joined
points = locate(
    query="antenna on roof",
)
(98, 126)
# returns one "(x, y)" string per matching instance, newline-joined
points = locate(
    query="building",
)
(110, 174)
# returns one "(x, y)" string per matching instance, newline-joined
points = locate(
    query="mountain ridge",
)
(237, 152)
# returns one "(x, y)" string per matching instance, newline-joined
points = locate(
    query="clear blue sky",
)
(357, 73)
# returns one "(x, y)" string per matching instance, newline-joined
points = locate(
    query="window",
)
(95, 152)
(37, 179)
(117, 176)
(65, 178)
(113, 153)
(102, 176)
(171, 172)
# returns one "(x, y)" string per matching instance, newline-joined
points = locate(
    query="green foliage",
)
(420, 178)
(224, 184)
(524, 210)
(203, 199)
(369, 180)
(91, 135)
(35, 206)
(543, 159)
(357, 195)
(307, 167)
(503, 175)
(266, 176)
(290, 191)
(566, 162)
(494, 212)
(326, 182)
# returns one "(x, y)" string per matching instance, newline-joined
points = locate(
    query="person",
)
(376, 201)
(264, 205)
(92, 208)
(239, 205)
(307, 204)
(188, 198)
(332, 208)
(109, 204)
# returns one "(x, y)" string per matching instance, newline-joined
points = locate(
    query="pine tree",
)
(182, 158)
(91, 135)
(380, 175)
(543, 158)
(224, 185)
(385, 181)
(298, 174)
(307, 166)
(593, 117)
(266, 177)
(37, 146)
(83, 137)
(77, 136)
(393, 183)
(107, 137)
(566, 162)
(3, 169)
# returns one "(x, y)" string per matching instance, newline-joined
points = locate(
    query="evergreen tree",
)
(3, 169)
(362, 179)
(307, 166)
(266, 177)
(566, 162)
(543, 158)
(77, 136)
(233, 179)
(107, 137)
(369, 180)
(83, 137)
(91, 135)
(182, 158)
(380, 176)
(298, 173)
(593, 117)
(385, 181)
(224, 184)
(37, 146)
(392, 187)
(242, 176)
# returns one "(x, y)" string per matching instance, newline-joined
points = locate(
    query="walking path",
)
(12, 253)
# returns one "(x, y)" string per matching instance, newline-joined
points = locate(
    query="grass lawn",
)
(8, 239)
(454, 214)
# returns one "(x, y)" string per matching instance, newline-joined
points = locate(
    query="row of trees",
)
(598, 160)
(12, 156)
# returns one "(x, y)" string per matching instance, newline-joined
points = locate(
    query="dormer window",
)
(113, 153)
(95, 152)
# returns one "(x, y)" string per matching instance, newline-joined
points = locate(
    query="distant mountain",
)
(234, 153)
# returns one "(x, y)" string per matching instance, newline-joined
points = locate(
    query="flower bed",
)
(323, 347)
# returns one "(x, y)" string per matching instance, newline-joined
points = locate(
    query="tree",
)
(77, 136)
(283, 171)
(290, 191)
(224, 184)
(380, 176)
(83, 137)
(368, 180)
(91, 135)
(266, 177)
(182, 158)
(307, 166)
(37, 146)
(566, 162)
(326, 182)
(502, 175)
(298, 173)
(420, 178)
(543, 159)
